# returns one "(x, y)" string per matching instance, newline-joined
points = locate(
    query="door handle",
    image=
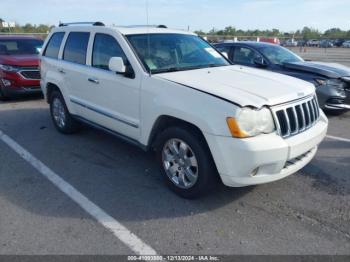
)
(93, 80)
(61, 71)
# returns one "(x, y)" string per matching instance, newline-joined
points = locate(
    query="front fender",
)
(162, 97)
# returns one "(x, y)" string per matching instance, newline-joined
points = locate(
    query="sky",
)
(285, 15)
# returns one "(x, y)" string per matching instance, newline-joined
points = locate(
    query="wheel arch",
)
(50, 87)
(165, 121)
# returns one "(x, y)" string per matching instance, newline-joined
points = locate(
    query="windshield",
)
(279, 55)
(20, 46)
(175, 52)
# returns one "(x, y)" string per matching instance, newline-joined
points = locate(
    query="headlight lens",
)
(251, 122)
(8, 68)
(330, 82)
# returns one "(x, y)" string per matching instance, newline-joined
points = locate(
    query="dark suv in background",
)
(19, 66)
(332, 81)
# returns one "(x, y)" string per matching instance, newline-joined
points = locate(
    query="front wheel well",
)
(164, 122)
(49, 89)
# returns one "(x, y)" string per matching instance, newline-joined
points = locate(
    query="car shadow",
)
(20, 99)
(118, 177)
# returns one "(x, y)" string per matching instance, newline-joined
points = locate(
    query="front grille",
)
(291, 119)
(31, 74)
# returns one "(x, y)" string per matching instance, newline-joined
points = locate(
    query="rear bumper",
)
(265, 158)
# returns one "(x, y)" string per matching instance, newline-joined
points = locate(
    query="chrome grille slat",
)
(288, 123)
(314, 103)
(291, 119)
(303, 118)
(308, 115)
(312, 111)
(296, 121)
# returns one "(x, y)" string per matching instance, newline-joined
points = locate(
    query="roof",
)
(134, 30)
(125, 30)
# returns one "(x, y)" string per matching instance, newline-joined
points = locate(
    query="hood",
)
(20, 60)
(330, 70)
(243, 85)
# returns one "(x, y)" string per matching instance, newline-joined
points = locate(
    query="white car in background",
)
(313, 43)
(291, 43)
(170, 91)
(346, 44)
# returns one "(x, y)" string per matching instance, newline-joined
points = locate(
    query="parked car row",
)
(323, 43)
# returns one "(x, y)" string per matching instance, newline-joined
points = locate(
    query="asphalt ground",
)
(306, 213)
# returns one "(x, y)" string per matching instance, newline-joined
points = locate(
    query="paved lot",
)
(307, 213)
(340, 55)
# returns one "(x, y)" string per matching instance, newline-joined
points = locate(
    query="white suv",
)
(171, 91)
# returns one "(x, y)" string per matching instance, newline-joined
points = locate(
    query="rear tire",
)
(185, 162)
(62, 119)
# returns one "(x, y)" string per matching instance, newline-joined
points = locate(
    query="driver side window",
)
(245, 56)
(105, 47)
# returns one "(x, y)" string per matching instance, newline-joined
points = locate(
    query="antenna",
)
(148, 35)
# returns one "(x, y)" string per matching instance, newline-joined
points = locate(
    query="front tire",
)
(185, 162)
(62, 119)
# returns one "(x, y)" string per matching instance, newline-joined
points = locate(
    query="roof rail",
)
(82, 23)
(151, 26)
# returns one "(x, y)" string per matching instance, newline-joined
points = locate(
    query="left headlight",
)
(8, 68)
(330, 82)
(251, 122)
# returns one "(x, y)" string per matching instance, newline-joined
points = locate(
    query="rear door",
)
(105, 97)
(73, 67)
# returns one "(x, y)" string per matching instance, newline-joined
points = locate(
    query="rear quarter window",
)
(53, 47)
(76, 47)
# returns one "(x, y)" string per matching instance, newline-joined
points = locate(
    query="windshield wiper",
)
(176, 69)
(167, 70)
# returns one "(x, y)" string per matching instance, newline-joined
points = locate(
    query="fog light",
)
(255, 172)
(6, 82)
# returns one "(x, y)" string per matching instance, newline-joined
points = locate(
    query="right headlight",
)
(8, 68)
(251, 122)
(338, 83)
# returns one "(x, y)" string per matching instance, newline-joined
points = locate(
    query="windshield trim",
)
(150, 71)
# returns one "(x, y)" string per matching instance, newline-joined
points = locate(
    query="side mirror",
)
(259, 61)
(116, 64)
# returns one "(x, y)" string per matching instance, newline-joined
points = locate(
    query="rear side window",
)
(53, 47)
(105, 47)
(76, 47)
